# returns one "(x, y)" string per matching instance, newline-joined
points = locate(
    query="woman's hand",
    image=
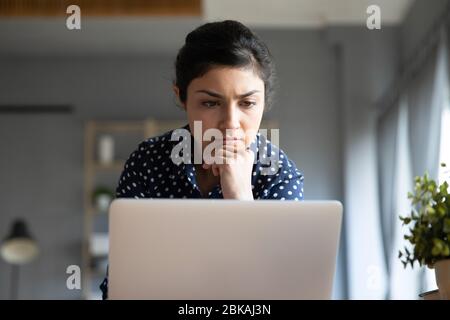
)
(234, 166)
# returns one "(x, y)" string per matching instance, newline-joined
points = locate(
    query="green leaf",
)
(444, 188)
(445, 250)
(435, 251)
(441, 211)
(418, 186)
(446, 228)
(437, 247)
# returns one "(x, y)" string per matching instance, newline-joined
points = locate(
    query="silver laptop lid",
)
(222, 249)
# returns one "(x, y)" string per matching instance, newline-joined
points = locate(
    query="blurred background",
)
(360, 110)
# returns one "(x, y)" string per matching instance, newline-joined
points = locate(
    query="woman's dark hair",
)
(225, 43)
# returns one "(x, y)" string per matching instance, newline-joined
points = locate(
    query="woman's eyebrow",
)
(216, 95)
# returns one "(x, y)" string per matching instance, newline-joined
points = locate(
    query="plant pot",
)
(102, 202)
(442, 272)
(430, 295)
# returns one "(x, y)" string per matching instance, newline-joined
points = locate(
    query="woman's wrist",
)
(246, 194)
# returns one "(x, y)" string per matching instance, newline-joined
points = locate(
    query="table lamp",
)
(18, 248)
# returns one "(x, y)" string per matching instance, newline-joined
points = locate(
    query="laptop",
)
(178, 249)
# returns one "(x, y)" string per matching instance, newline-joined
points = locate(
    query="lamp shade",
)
(19, 247)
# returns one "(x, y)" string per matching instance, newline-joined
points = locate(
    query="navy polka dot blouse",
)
(150, 173)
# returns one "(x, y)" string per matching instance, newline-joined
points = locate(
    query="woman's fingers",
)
(215, 170)
(228, 154)
(236, 144)
(238, 147)
(206, 166)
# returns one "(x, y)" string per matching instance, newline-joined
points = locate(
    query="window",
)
(444, 152)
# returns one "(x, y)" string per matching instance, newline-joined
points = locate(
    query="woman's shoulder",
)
(154, 144)
(150, 153)
(148, 162)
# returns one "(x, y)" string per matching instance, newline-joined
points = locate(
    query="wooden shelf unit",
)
(93, 168)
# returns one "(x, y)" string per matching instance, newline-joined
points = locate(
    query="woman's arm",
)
(235, 170)
(288, 185)
(134, 177)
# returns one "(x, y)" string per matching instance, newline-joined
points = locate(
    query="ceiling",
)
(23, 36)
(304, 13)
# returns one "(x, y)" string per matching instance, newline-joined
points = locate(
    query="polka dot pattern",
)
(149, 172)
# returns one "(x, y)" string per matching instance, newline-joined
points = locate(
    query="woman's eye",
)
(209, 104)
(248, 104)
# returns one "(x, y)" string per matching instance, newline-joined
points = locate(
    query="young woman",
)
(224, 81)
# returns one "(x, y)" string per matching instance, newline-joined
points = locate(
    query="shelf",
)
(126, 135)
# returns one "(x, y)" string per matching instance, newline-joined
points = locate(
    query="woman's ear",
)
(177, 95)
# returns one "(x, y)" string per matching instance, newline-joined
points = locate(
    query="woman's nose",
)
(231, 118)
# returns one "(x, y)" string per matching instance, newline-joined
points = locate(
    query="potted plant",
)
(429, 229)
(102, 197)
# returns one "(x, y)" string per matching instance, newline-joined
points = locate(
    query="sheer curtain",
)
(387, 143)
(409, 145)
(425, 125)
(404, 283)
(395, 180)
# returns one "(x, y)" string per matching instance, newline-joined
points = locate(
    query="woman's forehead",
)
(239, 80)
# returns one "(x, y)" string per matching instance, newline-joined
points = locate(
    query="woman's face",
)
(228, 99)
